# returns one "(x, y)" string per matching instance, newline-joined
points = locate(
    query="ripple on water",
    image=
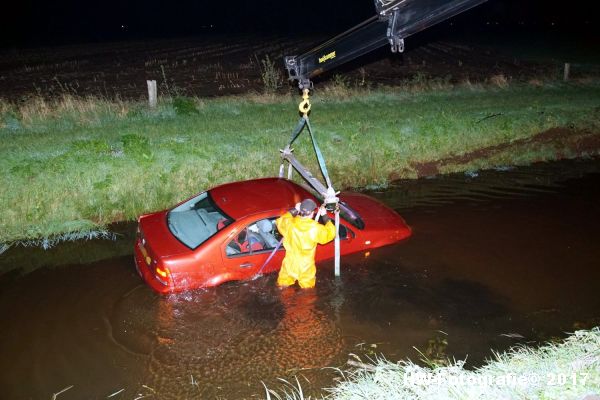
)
(237, 334)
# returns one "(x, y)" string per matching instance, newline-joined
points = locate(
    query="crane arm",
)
(395, 21)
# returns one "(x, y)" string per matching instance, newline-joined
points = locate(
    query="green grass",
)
(76, 165)
(567, 370)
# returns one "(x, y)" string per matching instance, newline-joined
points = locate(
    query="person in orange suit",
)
(301, 234)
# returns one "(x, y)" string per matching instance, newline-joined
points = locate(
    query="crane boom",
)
(395, 21)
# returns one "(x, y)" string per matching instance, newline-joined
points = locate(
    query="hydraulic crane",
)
(395, 20)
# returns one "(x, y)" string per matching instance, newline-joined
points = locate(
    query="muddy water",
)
(497, 258)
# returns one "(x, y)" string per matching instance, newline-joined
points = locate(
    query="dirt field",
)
(220, 65)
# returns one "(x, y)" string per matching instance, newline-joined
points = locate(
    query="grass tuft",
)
(499, 80)
(137, 147)
(47, 243)
(271, 75)
(84, 110)
(184, 106)
(567, 370)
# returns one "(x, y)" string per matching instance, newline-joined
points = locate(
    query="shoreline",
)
(79, 164)
(567, 369)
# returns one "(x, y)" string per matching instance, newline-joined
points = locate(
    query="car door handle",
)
(246, 265)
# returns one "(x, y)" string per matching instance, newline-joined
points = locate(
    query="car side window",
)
(234, 246)
(345, 233)
(259, 236)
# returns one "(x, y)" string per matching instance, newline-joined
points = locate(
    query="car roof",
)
(239, 199)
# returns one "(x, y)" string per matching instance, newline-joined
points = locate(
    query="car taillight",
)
(162, 274)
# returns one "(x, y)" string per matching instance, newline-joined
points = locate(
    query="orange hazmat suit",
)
(300, 238)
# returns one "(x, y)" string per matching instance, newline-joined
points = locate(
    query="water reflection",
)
(211, 342)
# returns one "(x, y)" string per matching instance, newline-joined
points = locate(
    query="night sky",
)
(34, 22)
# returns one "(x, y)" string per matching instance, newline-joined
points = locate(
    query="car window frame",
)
(349, 235)
(252, 252)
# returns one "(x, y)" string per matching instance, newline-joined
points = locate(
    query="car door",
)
(247, 251)
(346, 244)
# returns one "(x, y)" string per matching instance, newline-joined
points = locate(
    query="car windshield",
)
(196, 220)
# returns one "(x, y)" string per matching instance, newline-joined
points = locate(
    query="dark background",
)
(35, 22)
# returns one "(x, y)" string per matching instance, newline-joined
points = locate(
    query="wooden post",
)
(567, 71)
(152, 93)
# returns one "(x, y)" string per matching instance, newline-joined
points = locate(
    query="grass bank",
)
(74, 165)
(568, 370)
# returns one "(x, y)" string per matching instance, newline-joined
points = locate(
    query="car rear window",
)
(196, 220)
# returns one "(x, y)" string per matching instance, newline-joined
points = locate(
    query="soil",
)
(224, 65)
(567, 143)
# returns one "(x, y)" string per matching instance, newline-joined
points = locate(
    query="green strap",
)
(297, 131)
(319, 155)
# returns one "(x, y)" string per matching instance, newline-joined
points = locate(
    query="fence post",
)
(566, 72)
(152, 93)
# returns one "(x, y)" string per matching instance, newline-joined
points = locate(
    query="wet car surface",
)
(228, 233)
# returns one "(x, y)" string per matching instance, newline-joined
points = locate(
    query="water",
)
(497, 258)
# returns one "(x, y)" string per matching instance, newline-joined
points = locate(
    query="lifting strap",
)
(320, 158)
(259, 273)
(305, 122)
(304, 108)
(328, 193)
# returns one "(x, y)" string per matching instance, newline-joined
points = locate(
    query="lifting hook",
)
(304, 106)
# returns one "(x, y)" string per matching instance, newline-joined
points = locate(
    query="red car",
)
(228, 232)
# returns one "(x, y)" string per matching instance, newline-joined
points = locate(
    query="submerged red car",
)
(228, 232)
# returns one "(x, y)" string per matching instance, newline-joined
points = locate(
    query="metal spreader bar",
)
(287, 155)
